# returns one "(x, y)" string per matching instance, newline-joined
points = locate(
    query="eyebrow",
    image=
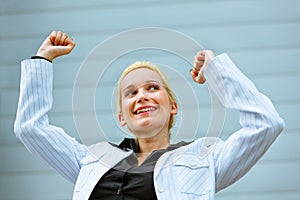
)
(148, 81)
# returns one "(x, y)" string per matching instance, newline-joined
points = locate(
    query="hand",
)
(201, 61)
(55, 45)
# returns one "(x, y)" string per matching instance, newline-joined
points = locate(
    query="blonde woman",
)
(147, 166)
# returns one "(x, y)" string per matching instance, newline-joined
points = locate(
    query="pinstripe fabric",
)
(195, 171)
(209, 164)
(32, 127)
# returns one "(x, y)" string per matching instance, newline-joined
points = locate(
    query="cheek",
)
(126, 104)
(163, 98)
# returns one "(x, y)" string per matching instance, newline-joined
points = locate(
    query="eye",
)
(130, 93)
(153, 87)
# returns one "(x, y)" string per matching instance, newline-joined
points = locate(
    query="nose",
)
(142, 96)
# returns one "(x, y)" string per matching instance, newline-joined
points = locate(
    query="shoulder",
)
(203, 147)
(96, 152)
(106, 152)
(99, 148)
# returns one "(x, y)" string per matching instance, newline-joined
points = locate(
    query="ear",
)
(121, 119)
(174, 108)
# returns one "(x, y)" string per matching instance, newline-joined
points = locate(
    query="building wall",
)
(261, 36)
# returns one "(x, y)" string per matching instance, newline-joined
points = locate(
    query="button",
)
(192, 162)
(160, 189)
(119, 191)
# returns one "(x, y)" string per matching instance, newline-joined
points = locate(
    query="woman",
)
(147, 167)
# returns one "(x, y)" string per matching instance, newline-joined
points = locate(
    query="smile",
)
(144, 110)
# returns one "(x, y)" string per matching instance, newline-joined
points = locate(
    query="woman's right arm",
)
(32, 127)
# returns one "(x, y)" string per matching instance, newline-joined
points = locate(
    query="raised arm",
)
(259, 120)
(32, 127)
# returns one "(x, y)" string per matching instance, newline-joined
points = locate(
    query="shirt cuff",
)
(40, 57)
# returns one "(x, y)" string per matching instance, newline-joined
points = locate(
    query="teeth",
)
(145, 110)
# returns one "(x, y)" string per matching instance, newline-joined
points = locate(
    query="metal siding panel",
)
(261, 36)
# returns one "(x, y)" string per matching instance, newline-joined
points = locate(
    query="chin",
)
(147, 129)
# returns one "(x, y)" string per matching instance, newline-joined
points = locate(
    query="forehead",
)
(139, 76)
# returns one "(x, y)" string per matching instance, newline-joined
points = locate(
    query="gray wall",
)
(261, 36)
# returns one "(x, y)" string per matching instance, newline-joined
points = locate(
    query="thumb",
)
(70, 43)
(65, 48)
(200, 78)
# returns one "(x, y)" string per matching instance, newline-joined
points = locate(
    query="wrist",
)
(45, 55)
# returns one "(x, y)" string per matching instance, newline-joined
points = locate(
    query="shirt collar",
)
(129, 144)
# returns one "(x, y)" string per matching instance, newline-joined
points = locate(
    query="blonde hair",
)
(155, 68)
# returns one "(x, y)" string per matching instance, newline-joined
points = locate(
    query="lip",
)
(149, 109)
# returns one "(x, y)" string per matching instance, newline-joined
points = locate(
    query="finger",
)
(69, 42)
(58, 38)
(200, 79)
(198, 64)
(200, 59)
(197, 71)
(194, 73)
(200, 55)
(63, 39)
(52, 36)
(197, 76)
(68, 45)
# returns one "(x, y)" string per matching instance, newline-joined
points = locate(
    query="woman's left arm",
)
(261, 124)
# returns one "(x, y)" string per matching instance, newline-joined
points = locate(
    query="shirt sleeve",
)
(32, 127)
(260, 123)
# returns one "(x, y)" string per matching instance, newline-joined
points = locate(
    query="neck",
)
(159, 141)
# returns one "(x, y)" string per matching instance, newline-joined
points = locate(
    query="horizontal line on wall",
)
(28, 173)
(58, 86)
(106, 6)
(274, 161)
(80, 59)
(178, 27)
(257, 193)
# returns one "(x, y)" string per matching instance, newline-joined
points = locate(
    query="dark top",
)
(127, 180)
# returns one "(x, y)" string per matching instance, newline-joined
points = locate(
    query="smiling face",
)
(146, 107)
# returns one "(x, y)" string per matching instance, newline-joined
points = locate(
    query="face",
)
(145, 104)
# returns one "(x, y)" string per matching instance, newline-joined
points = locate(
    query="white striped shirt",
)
(195, 171)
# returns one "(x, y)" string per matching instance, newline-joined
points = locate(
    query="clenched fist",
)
(201, 61)
(55, 45)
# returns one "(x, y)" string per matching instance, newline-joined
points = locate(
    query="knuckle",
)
(53, 34)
